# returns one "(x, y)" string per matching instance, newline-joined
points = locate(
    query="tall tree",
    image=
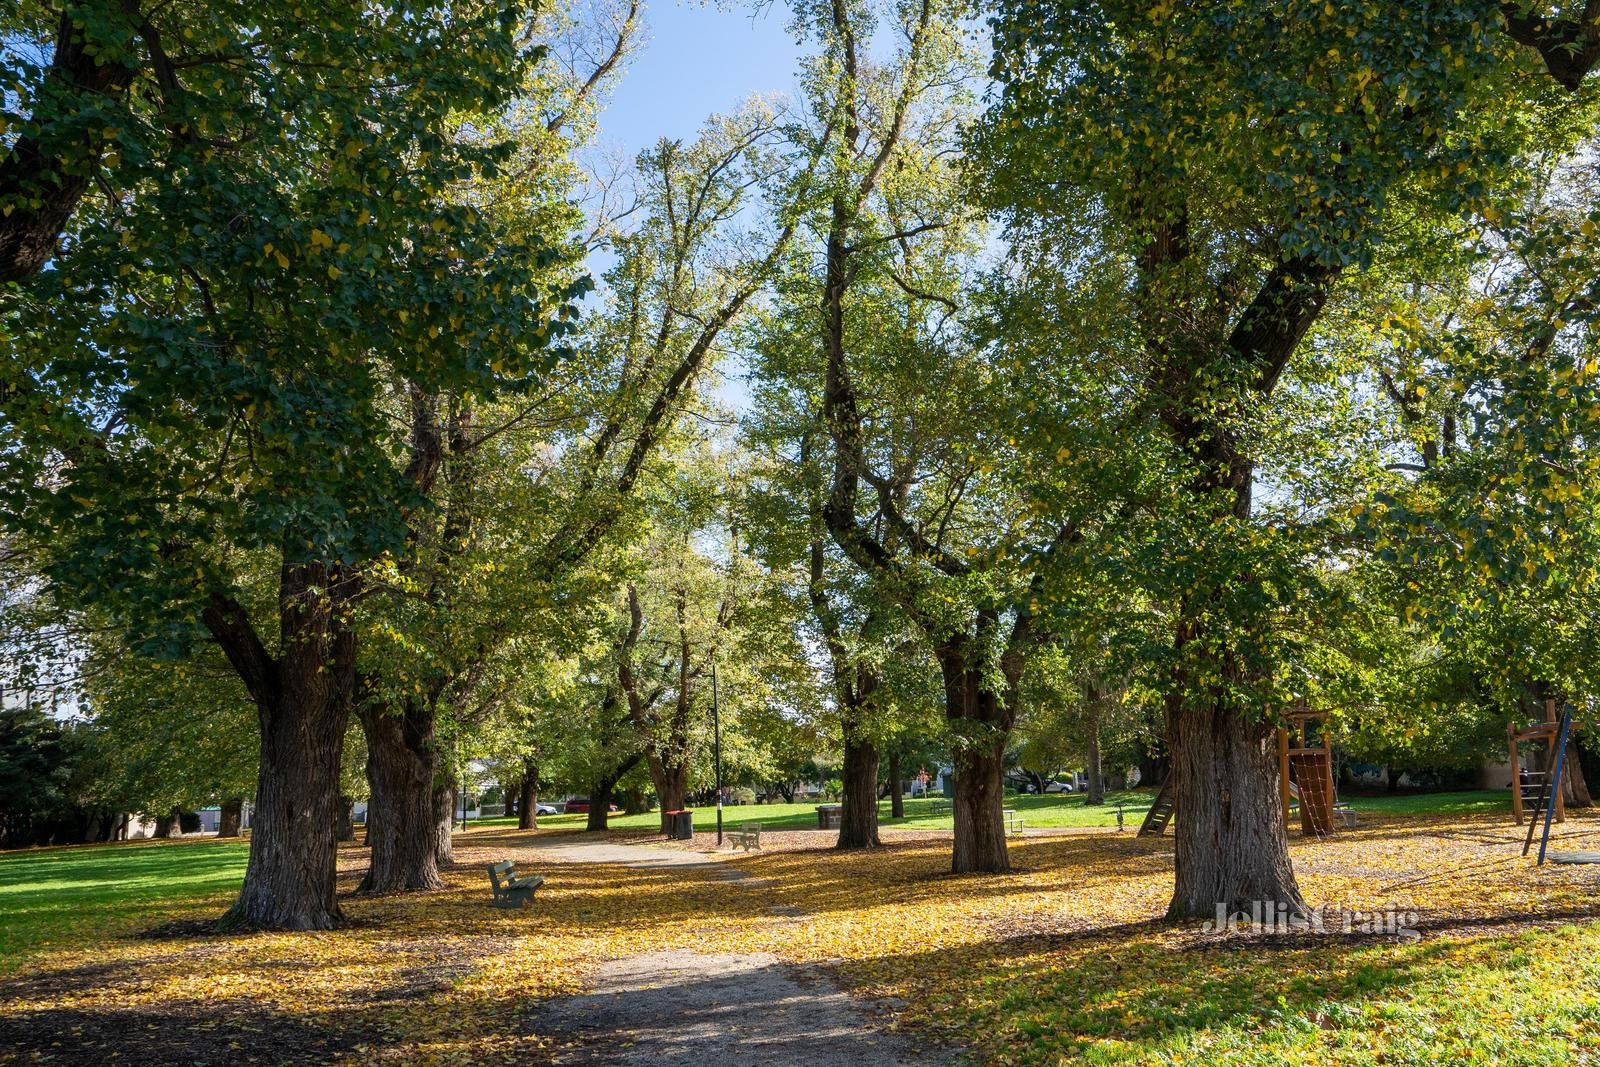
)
(208, 361)
(1232, 166)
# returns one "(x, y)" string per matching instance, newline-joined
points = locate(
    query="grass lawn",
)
(59, 895)
(1067, 960)
(1052, 811)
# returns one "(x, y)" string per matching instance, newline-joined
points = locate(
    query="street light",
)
(716, 737)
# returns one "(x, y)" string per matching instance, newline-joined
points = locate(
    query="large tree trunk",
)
(1232, 849)
(231, 817)
(444, 814)
(600, 793)
(1577, 787)
(976, 711)
(165, 824)
(303, 700)
(1096, 792)
(291, 880)
(528, 800)
(347, 818)
(402, 824)
(897, 796)
(672, 789)
(509, 792)
(858, 821)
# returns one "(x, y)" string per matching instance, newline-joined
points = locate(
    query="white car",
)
(1058, 787)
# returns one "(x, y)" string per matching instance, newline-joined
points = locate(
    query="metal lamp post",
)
(716, 739)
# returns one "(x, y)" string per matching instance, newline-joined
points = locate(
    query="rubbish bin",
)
(683, 825)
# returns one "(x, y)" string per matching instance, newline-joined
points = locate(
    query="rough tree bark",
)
(672, 788)
(897, 796)
(444, 809)
(402, 830)
(347, 818)
(231, 818)
(981, 720)
(1094, 771)
(858, 819)
(603, 790)
(528, 798)
(1233, 852)
(1577, 787)
(165, 824)
(303, 700)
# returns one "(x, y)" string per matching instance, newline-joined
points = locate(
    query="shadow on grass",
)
(211, 1032)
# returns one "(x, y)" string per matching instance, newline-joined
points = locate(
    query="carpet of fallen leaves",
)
(1064, 960)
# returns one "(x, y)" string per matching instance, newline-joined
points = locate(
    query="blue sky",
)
(698, 59)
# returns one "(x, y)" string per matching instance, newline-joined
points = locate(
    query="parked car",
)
(580, 806)
(545, 809)
(1058, 787)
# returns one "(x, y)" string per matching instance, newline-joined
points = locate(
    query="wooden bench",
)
(747, 836)
(939, 807)
(1346, 814)
(510, 891)
(1013, 821)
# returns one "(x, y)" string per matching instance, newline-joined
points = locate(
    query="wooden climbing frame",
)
(1526, 787)
(1308, 766)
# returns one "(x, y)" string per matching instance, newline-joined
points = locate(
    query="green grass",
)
(1466, 802)
(1053, 811)
(59, 895)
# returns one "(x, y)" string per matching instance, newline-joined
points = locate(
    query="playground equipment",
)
(1305, 773)
(1551, 786)
(1305, 777)
(1531, 791)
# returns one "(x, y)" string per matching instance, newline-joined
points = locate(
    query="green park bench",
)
(747, 836)
(511, 891)
(939, 807)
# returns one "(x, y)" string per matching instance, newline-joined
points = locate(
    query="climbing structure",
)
(1305, 769)
(1531, 790)
(1160, 813)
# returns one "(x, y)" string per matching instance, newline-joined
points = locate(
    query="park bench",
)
(1013, 821)
(747, 836)
(939, 807)
(511, 891)
(1346, 814)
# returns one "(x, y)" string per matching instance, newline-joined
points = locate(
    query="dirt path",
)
(679, 1008)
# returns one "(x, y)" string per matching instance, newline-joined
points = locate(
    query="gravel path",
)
(679, 1008)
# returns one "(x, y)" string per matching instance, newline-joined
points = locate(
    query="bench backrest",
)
(504, 870)
(750, 828)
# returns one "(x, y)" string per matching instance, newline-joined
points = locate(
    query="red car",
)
(580, 806)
